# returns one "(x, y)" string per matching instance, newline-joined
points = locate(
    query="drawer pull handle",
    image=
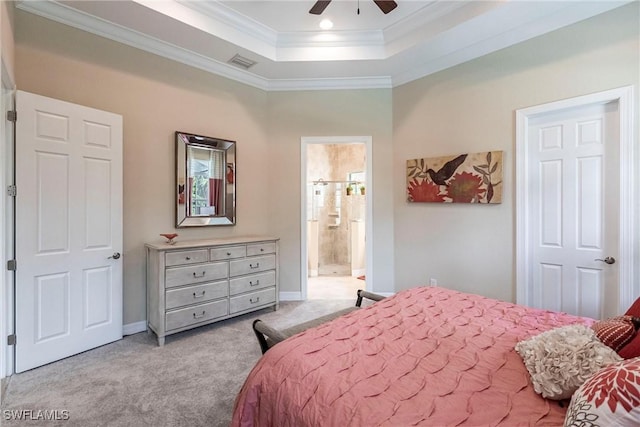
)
(254, 284)
(254, 266)
(198, 316)
(187, 258)
(228, 253)
(253, 301)
(198, 296)
(261, 249)
(199, 275)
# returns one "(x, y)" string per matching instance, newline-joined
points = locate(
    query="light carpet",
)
(191, 381)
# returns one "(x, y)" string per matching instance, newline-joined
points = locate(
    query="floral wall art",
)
(465, 178)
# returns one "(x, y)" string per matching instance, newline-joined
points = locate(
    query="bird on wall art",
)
(446, 171)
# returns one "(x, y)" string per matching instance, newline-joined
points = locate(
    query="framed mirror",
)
(205, 181)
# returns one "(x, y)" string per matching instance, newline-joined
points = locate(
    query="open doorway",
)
(335, 216)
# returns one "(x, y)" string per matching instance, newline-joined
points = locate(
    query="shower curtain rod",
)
(322, 181)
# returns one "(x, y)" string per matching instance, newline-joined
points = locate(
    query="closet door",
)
(68, 229)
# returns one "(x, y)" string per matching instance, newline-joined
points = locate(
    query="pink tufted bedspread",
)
(426, 356)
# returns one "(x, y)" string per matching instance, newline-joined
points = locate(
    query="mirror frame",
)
(183, 141)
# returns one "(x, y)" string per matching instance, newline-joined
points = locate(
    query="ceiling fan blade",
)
(319, 7)
(386, 6)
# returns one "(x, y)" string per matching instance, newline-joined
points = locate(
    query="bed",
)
(425, 356)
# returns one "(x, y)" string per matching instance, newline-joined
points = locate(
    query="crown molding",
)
(453, 49)
(507, 25)
(331, 38)
(420, 21)
(65, 15)
(220, 21)
(219, 13)
(384, 82)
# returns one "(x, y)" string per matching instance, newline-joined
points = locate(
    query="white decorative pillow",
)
(611, 397)
(561, 359)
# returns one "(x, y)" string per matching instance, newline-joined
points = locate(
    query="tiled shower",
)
(336, 197)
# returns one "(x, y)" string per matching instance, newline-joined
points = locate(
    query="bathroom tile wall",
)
(331, 206)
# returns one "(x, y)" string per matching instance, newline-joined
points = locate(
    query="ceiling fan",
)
(385, 6)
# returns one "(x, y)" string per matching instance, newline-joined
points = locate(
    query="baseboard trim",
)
(134, 328)
(290, 296)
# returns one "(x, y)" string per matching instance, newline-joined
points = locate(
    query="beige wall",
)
(156, 97)
(467, 108)
(293, 115)
(471, 108)
(7, 15)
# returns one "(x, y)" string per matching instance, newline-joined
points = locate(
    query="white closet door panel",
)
(97, 203)
(52, 297)
(68, 227)
(572, 161)
(550, 203)
(551, 285)
(589, 203)
(98, 290)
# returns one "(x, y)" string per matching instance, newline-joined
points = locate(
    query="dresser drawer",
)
(196, 283)
(196, 314)
(185, 257)
(253, 299)
(220, 254)
(178, 276)
(252, 282)
(261, 249)
(252, 265)
(179, 297)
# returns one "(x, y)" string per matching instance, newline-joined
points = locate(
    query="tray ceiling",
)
(287, 50)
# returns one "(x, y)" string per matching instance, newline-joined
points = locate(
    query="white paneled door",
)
(574, 180)
(68, 229)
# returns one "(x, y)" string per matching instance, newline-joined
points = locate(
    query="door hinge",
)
(12, 265)
(12, 115)
(12, 190)
(11, 339)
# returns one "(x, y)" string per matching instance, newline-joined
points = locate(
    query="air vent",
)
(242, 62)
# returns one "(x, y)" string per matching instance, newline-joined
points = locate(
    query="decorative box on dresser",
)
(197, 282)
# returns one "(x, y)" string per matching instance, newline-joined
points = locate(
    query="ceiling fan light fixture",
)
(326, 24)
(385, 6)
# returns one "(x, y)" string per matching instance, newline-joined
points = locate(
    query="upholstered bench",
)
(269, 336)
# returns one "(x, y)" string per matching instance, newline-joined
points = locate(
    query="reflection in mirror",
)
(205, 181)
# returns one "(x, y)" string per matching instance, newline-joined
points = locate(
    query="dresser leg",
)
(275, 307)
(160, 341)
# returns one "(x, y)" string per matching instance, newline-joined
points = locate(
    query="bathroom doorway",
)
(335, 216)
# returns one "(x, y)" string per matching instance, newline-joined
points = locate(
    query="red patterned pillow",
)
(611, 397)
(634, 310)
(632, 349)
(616, 331)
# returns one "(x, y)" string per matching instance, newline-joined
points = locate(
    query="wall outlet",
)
(433, 282)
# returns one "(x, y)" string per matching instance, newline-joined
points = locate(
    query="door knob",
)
(608, 260)
(115, 255)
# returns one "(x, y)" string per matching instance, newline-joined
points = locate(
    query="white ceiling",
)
(369, 50)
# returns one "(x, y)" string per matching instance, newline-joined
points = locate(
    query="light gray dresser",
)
(193, 283)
